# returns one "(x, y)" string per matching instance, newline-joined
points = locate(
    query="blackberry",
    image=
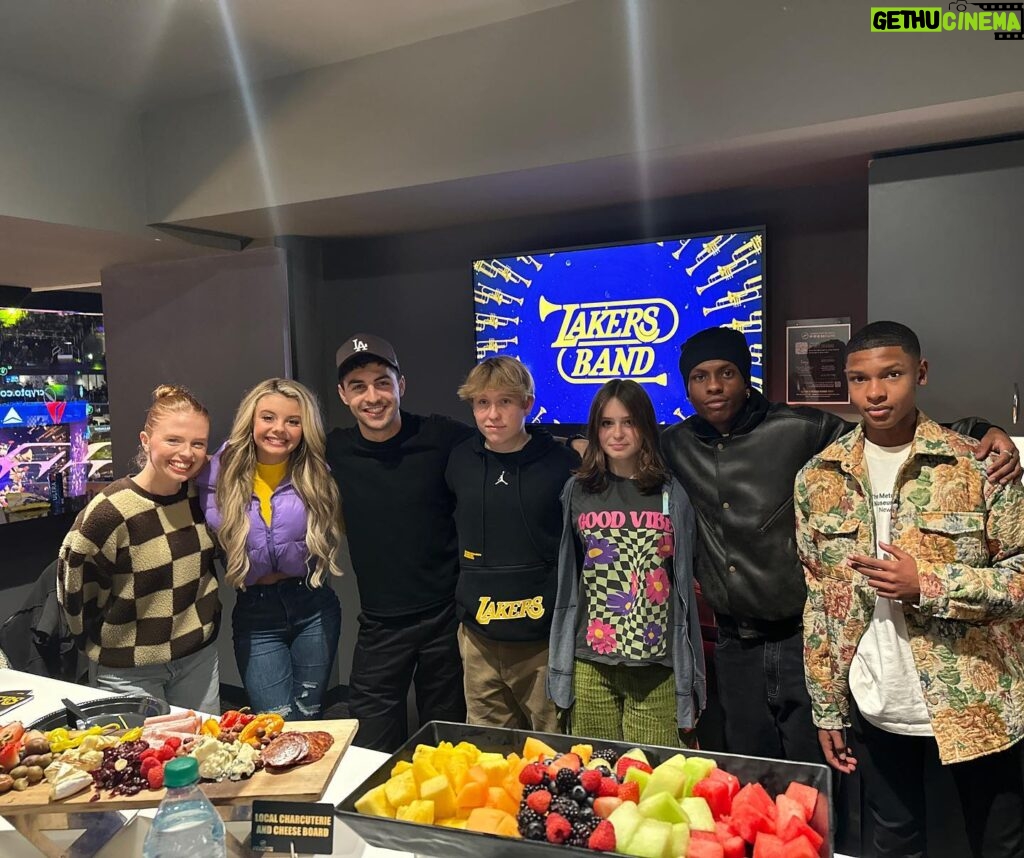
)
(566, 807)
(577, 840)
(584, 826)
(527, 817)
(566, 780)
(609, 755)
(532, 788)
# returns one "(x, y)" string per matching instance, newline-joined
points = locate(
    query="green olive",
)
(35, 774)
(21, 784)
(19, 771)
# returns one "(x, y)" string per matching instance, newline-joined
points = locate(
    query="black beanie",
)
(715, 344)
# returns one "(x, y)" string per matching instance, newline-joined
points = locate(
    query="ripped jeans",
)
(286, 638)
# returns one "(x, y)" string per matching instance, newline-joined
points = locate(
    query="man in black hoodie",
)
(738, 458)
(506, 481)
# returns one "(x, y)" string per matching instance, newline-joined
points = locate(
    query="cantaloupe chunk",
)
(490, 820)
(440, 792)
(401, 789)
(477, 774)
(534, 749)
(420, 811)
(374, 802)
(471, 795)
(497, 797)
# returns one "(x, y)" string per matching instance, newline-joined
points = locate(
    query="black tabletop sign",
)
(281, 826)
(12, 699)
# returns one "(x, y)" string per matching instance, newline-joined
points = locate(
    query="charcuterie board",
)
(299, 783)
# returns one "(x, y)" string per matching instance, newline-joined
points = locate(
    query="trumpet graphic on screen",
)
(491, 320)
(755, 354)
(751, 325)
(679, 413)
(728, 271)
(492, 345)
(529, 260)
(734, 299)
(497, 268)
(682, 246)
(540, 413)
(710, 248)
(484, 293)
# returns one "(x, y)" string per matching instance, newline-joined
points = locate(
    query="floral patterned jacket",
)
(967, 632)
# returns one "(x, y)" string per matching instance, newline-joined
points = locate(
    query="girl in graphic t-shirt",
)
(626, 655)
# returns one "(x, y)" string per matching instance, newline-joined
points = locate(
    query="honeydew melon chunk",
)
(663, 806)
(699, 812)
(680, 838)
(677, 760)
(652, 839)
(374, 802)
(401, 790)
(696, 769)
(639, 776)
(637, 754)
(667, 779)
(624, 819)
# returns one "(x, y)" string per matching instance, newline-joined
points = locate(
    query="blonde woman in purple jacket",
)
(270, 498)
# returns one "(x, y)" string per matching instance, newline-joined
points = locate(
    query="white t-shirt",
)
(883, 677)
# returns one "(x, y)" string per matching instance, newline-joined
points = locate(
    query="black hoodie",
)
(509, 523)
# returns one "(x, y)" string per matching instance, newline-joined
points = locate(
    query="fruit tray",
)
(428, 840)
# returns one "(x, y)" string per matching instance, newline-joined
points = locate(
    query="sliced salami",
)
(319, 743)
(286, 750)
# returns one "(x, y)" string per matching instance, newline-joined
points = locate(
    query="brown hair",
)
(651, 472)
(502, 373)
(168, 399)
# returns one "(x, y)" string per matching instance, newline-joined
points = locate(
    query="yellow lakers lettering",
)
(600, 340)
(515, 610)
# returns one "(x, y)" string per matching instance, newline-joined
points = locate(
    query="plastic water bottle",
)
(186, 823)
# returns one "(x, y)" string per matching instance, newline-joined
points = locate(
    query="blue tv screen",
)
(580, 317)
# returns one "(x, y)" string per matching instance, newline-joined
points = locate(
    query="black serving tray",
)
(129, 709)
(423, 840)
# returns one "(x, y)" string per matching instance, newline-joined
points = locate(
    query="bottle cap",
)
(181, 771)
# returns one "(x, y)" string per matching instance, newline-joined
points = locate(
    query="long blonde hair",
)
(309, 474)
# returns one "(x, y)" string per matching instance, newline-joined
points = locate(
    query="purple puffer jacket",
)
(281, 547)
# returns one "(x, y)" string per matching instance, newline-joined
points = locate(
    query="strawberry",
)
(532, 774)
(539, 801)
(609, 786)
(630, 791)
(603, 837)
(568, 761)
(627, 763)
(155, 777)
(557, 828)
(591, 780)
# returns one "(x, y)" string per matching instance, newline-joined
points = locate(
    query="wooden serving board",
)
(299, 783)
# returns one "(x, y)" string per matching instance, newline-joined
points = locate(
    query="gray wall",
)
(944, 245)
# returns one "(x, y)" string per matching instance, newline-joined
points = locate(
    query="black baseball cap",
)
(366, 344)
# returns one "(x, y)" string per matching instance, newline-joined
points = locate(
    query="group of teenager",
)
(865, 579)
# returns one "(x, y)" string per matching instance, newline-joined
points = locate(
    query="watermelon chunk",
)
(789, 817)
(732, 843)
(716, 794)
(731, 781)
(799, 848)
(769, 846)
(805, 796)
(703, 844)
(753, 812)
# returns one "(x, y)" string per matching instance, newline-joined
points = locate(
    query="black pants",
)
(892, 767)
(391, 653)
(765, 705)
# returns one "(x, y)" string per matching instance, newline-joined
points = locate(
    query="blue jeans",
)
(286, 638)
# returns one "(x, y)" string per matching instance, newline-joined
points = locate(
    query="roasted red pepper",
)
(229, 719)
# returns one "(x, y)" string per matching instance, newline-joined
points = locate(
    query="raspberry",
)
(173, 741)
(539, 801)
(532, 774)
(147, 764)
(591, 780)
(557, 828)
(603, 838)
(609, 786)
(155, 777)
(149, 752)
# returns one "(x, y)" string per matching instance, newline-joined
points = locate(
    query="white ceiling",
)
(143, 52)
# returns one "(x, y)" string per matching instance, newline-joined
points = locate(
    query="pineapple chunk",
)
(418, 811)
(401, 789)
(440, 792)
(374, 802)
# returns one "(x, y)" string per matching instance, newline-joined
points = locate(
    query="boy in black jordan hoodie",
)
(507, 480)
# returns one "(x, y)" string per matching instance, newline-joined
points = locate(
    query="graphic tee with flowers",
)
(626, 581)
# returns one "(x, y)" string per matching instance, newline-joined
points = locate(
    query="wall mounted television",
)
(578, 317)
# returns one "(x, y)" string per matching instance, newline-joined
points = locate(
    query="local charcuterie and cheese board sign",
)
(299, 764)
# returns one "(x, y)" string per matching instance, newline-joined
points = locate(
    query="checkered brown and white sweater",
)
(136, 577)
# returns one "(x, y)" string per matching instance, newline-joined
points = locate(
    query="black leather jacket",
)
(741, 486)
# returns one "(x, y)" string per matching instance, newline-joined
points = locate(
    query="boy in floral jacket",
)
(913, 629)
